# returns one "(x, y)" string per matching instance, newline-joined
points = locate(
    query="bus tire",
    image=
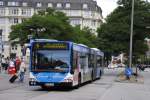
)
(44, 87)
(92, 78)
(100, 74)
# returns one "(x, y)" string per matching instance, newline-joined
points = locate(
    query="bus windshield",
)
(48, 60)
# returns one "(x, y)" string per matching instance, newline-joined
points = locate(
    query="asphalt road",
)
(104, 89)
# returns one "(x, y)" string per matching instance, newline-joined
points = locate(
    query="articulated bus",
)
(63, 63)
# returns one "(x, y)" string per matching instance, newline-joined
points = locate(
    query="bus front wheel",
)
(100, 74)
(44, 87)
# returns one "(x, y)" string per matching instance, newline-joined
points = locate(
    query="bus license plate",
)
(49, 84)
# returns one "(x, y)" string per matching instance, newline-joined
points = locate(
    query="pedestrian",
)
(141, 67)
(7, 63)
(22, 71)
(3, 63)
(11, 68)
(17, 64)
(128, 72)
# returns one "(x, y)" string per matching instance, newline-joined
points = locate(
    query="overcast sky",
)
(107, 6)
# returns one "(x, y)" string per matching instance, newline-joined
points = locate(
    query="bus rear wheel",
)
(92, 77)
(79, 80)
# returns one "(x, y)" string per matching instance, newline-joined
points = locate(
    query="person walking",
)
(7, 64)
(17, 64)
(11, 68)
(3, 64)
(22, 71)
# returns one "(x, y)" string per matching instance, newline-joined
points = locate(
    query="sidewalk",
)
(133, 79)
(5, 84)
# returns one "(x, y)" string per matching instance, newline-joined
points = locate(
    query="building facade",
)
(85, 13)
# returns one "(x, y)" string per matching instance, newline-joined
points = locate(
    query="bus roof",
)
(98, 51)
(43, 40)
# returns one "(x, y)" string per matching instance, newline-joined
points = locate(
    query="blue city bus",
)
(63, 63)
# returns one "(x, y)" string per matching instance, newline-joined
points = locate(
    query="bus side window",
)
(91, 60)
(75, 59)
(99, 61)
(84, 60)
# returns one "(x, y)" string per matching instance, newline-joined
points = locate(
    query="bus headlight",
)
(32, 79)
(68, 79)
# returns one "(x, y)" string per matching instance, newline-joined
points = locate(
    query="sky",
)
(107, 6)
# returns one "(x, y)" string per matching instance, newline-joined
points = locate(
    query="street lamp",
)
(131, 34)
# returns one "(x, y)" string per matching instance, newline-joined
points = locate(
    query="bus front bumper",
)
(34, 83)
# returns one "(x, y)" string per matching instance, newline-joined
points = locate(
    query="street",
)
(104, 89)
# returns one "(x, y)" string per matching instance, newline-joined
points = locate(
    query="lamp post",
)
(1, 48)
(131, 34)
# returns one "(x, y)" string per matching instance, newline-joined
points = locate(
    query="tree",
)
(85, 36)
(46, 24)
(51, 24)
(114, 35)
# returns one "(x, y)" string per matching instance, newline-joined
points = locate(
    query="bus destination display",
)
(53, 46)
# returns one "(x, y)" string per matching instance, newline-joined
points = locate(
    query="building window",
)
(13, 3)
(94, 23)
(13, 11)
(39, 4)
(75, 21)
(68, 5)
(59, 5)
(50, 5)
(26, 12)
(85, 6)
(2, 11)
(24, 4)
(87, 13)
(1, 3)
(15, 20)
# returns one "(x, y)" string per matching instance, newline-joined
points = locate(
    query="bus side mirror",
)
(27, 45)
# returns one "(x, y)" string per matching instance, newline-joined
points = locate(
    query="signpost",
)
(131, 35)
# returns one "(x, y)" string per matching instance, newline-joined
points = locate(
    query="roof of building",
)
(75, 4)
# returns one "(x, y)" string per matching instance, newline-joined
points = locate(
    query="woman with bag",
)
(22, 71)
(11, 68)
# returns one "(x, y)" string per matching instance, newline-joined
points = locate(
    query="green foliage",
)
(85, 36)
(114, 35)
(51, 24)
(45, 24)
